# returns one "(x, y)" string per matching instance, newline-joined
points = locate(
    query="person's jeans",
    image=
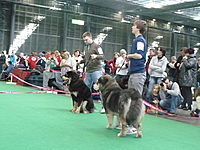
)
(171, 103)
(92, 77)
(152, 82)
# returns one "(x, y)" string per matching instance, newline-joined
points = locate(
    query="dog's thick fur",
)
(80, 93)
(126, 104)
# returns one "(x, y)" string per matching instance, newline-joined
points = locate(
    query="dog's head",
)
(69, 77)
(103, 82)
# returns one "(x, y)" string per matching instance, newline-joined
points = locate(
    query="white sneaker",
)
(119, 127)
(131, 130)
(103, 111)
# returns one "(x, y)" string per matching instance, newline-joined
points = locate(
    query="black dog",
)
(80, 93)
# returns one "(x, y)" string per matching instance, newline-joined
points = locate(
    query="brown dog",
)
(126, 104)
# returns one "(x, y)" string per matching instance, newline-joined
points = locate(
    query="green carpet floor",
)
(43, 122)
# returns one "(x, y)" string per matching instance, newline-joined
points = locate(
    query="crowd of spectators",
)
(175, 78)
(183, 71)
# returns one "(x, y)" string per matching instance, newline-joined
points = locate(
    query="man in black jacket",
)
(2, 61)
(177, 64)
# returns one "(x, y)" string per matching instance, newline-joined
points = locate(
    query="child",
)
(154, 99)
(196, 113)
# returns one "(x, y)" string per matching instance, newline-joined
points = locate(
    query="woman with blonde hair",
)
(59, 58)
(67, 63)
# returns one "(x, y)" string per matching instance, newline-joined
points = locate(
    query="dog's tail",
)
(134, 105)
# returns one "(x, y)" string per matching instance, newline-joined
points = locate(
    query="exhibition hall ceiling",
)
(185, 12)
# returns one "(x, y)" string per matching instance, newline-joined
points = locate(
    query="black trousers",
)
(187, 95)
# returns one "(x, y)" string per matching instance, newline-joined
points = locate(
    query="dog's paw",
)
(77, 112)
(139, 136)
(71, 110)
(86, 112)
(121, 134)
(109, 126)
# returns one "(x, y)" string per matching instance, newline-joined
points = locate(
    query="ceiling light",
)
(179, 12)
(195, 29)
(154, 19)
(169, 23)
(196, 18)
(119, 12)
(158, 3)
(182, 26)
(78, 4)
(126, 21)
(159, 37)
(138, 16)
(197, 44)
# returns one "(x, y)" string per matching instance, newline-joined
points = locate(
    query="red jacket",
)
(111, 64)
(32, 61)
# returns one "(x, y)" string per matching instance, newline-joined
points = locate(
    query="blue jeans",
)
(152, 82)
(171, 103)
(92, 77)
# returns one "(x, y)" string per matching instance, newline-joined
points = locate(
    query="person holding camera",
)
(52, 61)
(170, 96)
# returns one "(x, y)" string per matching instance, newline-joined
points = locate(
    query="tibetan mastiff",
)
(126, 104)
(80, 93)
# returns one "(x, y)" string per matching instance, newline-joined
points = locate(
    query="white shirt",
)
(121, 62)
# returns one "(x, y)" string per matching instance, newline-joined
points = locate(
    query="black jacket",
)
(188, 69)
(2, 59)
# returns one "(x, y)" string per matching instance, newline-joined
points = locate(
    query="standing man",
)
(137, 57)
(2, 61)
(93, 58)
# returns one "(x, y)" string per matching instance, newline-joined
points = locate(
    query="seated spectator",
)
(5, 73)
(196, 112)
(52, 62)
(170, 96)
(32, 60)
(21, 61)
(59, 58)
(13, 58)
(154, 99)
(77, 56)
(67, 63)
(41, 61)
(105, 68)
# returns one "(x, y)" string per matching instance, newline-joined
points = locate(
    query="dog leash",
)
(119, 68)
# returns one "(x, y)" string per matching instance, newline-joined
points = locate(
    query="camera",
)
(161, 84)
